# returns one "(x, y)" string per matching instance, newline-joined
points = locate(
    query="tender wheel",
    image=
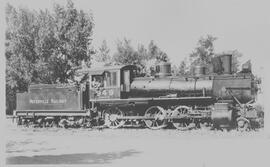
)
(156, 117)
(183, 123)
(111, 118)
(19, 121)
(242, 124)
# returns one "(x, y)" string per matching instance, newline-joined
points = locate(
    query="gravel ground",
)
(135, 147)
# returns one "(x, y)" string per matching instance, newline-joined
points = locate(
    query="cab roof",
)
(101, 70)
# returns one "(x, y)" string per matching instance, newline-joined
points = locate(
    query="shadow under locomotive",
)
(115, 96)
(82, 158)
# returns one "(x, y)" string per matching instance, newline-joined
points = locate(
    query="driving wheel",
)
(181, 121)
(155, 117)
(111, 116)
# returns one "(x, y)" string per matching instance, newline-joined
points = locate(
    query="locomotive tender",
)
(114, 96)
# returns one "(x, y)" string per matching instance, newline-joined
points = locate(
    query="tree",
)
(19, 51)
(73, 31)
(175, 70)
(203, 54)
(49, 44)
(126, 54)
(103, 54)
(156, 53)
(20, 46)
(142, 57)
(183, 68)
(45, 47)
(204, 51)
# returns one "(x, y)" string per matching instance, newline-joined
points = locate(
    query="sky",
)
(177, 25)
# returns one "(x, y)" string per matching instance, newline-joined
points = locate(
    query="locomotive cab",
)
(112, 82)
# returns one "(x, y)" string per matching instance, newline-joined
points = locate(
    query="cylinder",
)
(226, 63)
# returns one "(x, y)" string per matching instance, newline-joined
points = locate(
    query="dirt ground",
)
(135, 147)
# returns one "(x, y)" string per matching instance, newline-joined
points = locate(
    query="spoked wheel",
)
(181, 123)
(242, 124)
(111, 116)
(157, 117)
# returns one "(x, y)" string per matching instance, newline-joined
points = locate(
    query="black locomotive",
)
(114, 96)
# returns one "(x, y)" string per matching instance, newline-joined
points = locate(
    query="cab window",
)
(107, 79)
(97, 81)
(110, 79)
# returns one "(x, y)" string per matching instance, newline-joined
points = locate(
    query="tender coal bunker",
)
(49, 97)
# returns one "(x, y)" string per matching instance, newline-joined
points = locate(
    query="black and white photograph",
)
(135, 83)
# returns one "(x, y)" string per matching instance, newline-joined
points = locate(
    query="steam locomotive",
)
(114, 96)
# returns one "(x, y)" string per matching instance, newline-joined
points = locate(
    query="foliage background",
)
(48, 46)
(44, 46)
